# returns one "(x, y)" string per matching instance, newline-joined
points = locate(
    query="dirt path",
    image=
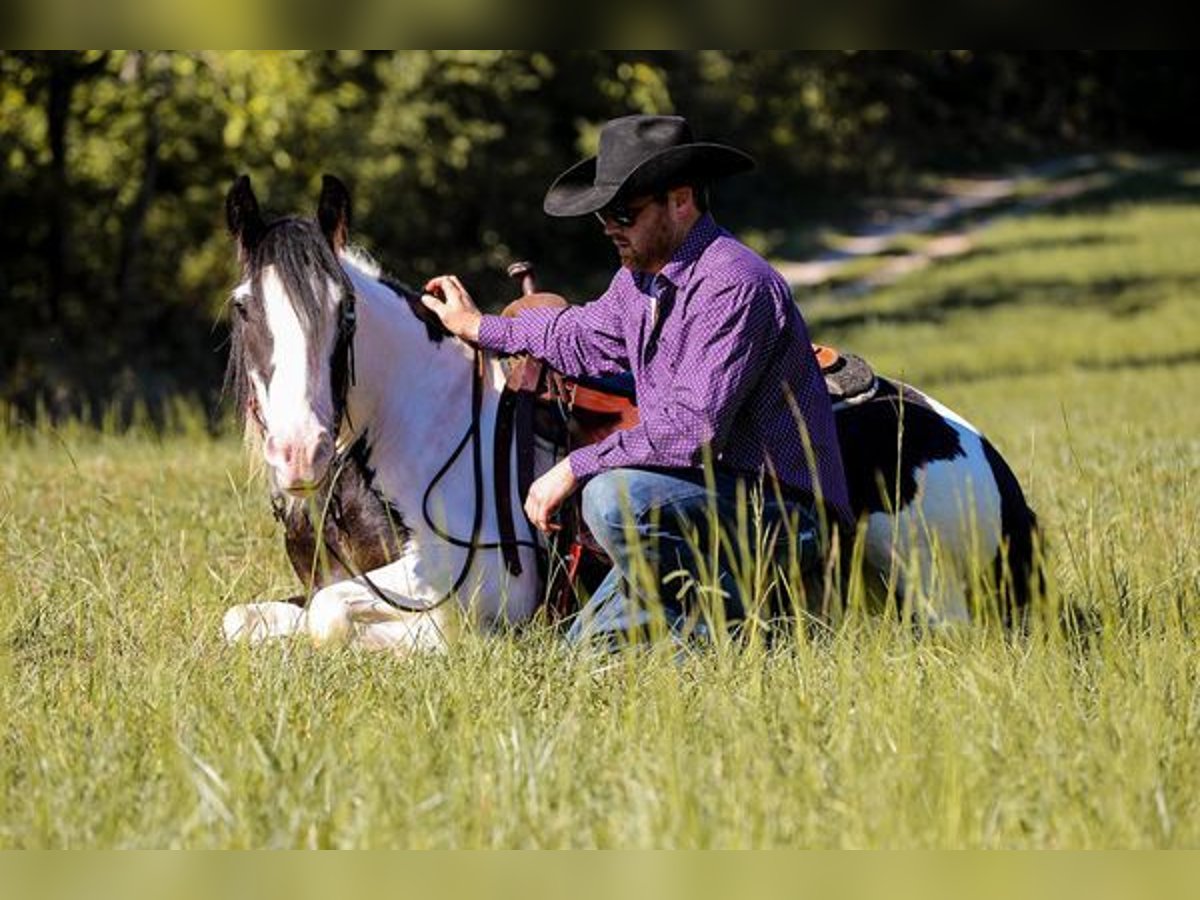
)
(944, 225)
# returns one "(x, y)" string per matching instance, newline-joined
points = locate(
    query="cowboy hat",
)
(638, 155)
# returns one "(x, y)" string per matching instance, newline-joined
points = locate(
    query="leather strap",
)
(524, 440)
(501, 478)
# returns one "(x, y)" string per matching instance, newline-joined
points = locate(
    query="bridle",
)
(342, 376)
(342, 373)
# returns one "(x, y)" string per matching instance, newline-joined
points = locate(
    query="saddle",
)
(539, 403)
(849, 379)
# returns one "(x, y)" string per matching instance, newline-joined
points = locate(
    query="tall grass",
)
(128, 722)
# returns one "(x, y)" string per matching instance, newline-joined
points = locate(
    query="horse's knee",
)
(329, 618)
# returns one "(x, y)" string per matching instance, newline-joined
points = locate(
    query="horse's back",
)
(933, 491)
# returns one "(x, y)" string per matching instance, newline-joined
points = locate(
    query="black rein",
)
(343, 378)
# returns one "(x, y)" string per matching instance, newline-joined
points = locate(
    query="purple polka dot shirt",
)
(721, 360)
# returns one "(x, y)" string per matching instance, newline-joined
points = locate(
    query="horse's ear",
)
(333, 212)
(243, 216)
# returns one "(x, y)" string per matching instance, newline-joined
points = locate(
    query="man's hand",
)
(449, 300)
(547, 494)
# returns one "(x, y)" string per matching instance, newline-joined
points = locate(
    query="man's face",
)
(642, 231)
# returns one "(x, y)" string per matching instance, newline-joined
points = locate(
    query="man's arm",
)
(724, 352)
(577, 340)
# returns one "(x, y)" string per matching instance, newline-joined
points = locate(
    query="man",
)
(723, 369)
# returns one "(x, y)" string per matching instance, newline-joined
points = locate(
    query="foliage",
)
(115, 264)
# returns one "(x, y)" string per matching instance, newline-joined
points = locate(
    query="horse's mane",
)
(361, 260)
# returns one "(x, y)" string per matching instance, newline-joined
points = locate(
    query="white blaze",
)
(296, 401)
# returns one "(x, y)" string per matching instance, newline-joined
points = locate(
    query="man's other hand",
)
(547, 494)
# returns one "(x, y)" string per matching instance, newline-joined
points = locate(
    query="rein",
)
(342, 361)
(343, 377)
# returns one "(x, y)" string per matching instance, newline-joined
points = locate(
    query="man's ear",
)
(681, 199)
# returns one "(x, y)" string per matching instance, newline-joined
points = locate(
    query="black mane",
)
(434, 328)
(297, 248)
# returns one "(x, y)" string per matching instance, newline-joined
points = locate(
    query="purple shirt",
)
(720, 357)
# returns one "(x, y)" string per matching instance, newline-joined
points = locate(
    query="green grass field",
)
(1072, 338)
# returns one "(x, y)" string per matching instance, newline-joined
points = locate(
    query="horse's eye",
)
(239, 306)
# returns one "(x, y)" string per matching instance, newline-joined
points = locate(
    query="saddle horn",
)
(333, 212)
(243, 215)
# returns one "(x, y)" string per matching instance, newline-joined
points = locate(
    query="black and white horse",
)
(943, 519)
(371, 424)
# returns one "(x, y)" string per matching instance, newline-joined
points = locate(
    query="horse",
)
(371, 422)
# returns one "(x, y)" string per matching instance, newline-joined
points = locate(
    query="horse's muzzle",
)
(300, 465)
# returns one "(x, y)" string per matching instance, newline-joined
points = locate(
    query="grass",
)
(1071, 338)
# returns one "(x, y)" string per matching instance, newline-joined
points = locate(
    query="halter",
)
(342, 362)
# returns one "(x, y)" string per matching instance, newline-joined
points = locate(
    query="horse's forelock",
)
(304, 263)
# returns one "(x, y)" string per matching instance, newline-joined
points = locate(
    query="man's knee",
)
(606, 505)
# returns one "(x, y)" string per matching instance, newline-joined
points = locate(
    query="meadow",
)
(1070, 336)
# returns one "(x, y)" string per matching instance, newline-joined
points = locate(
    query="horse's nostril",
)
(284, 454)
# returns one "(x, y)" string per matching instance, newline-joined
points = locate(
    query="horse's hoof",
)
(239, 624)
(254, 623)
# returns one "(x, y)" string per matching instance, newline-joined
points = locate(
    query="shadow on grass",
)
(959, 376)
(1174, 182)
(1120, 297)
(1169, 361)
(1092, 240)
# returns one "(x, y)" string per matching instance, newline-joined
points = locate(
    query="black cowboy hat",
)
(638, 155)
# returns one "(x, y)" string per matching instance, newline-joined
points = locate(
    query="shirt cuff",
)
(494, 332)
(584, 462)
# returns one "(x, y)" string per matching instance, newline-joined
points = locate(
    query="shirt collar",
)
(679, 266)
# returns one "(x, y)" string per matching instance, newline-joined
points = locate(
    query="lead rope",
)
(474, 431)
(347, 378)
(472, 435)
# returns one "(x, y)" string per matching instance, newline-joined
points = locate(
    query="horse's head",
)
(293, 325)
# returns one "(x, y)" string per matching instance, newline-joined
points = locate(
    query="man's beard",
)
(652, 251)
(654, 248)
(628, 256)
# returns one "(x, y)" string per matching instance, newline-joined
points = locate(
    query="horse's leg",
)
(257, 622)
(349, 613)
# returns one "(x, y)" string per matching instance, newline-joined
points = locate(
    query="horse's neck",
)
(412, 395)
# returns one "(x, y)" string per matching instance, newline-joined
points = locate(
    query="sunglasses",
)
(621, 214)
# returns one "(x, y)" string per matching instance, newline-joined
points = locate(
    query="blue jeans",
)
(671, 570)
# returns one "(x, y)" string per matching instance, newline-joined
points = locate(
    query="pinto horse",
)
(371, 422)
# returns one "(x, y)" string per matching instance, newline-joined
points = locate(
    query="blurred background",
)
(114, 262)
